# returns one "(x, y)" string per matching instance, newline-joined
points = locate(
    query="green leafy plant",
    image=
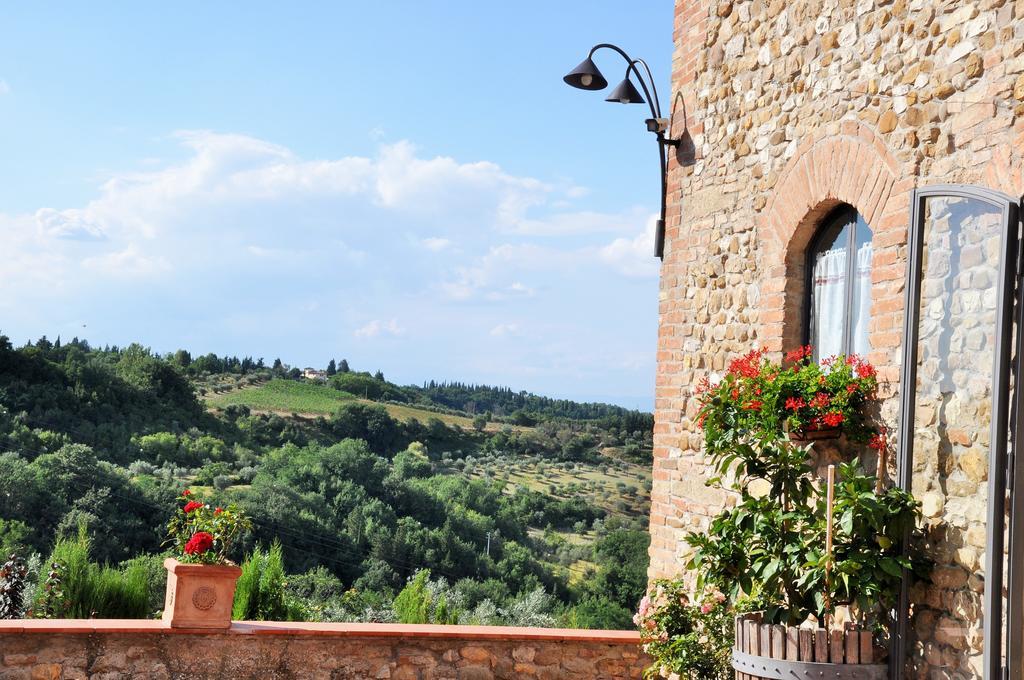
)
(260, 593)
(204, 534)
(690, 639)
(77, 588)
(771, 544)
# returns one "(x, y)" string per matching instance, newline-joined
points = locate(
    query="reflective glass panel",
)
(951, 429)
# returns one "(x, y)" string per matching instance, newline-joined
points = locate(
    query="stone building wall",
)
(788, 108)
(115, 650)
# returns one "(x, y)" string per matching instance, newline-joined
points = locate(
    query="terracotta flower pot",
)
(199, 595)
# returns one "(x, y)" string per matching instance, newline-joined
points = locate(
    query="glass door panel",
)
(955, 429)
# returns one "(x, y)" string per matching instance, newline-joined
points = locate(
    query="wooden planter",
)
(199, 595)
(815, 435)
(777, 651)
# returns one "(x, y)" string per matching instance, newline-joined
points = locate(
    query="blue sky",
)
(408, 185)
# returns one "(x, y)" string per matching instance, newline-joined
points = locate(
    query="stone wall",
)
(788, 108)
(113, 650)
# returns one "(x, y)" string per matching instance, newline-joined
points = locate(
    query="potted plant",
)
(808, 400)
(201, 579)
(811, 568)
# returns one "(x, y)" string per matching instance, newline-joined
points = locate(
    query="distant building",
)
(314, 374)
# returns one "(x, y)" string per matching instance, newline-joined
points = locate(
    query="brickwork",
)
(788, 108)
(112, 650)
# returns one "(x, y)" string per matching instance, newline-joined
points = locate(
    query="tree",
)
(378, 376)
(332, 367)
(343, 366)
(371, 423)
(413, 604)
(278, 366)
(479, 423)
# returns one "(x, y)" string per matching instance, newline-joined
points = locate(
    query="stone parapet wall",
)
(146, 649)
(786, 109)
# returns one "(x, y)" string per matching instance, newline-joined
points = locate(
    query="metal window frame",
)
(846, 215)
(1009, 259)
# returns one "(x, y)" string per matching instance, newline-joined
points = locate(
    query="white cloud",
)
(378, 328)
(67, 224)
(435, 244)
(4, 88)
(321, 252)
(633, 257)
(505, 330)
(127, 263)
(580, 222)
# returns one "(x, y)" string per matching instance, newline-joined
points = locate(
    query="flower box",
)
(764, 651)
(815, 435)
(199, 595)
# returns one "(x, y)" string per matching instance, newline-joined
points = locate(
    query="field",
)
(283, 396)
(620, 487)
(311, 399)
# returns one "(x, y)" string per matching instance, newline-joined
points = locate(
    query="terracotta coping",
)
(90, 626)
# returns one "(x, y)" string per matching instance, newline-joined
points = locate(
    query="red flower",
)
(833, 419)
(192, 505)
(795, 403)
(186, 492)
(754, 405)
(820, 400)
(865, 371)
(199, 543)
(799, 354)
(704, 385)
(217, 511)
(851, 388)
(748, 365)
(852, 360)
(879, 441)
(735, 393)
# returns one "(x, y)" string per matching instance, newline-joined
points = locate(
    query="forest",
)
(370, 501)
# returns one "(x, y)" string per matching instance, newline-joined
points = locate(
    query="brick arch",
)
(852, 167)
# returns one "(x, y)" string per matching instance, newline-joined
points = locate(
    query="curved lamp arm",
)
(654, 125)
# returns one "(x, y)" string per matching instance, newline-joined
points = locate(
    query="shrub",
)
(412, 605)
(426, 601)
(692, 640)
(77, 588)
(260, 594)
(141, 467)
(246, 474)
(13, 579)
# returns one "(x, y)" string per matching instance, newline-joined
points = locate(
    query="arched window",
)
(839, 285)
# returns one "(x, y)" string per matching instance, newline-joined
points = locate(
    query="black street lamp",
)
(586, 76)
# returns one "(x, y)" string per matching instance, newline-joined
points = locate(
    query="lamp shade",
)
(625, 93)
(586, 76)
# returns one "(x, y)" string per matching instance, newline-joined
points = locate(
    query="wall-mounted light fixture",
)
(587, 76)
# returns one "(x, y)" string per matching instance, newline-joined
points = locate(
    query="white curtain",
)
(862, 300)
(829, 297)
